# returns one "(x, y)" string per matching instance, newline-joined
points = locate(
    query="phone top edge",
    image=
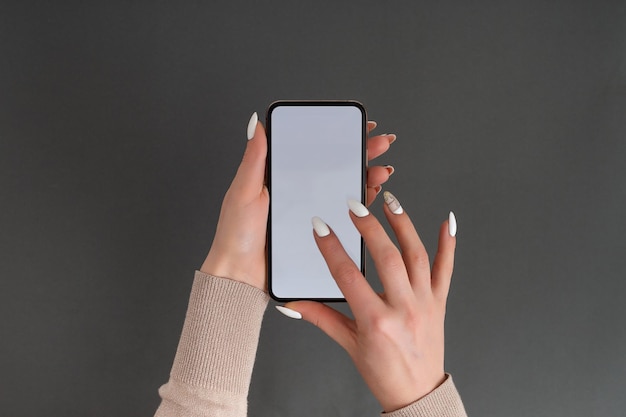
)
(279, 103)
(296, 103)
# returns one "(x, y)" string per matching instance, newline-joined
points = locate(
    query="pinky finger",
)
(372, 192)
(443, 264)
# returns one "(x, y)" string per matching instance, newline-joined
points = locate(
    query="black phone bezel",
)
(268, 125)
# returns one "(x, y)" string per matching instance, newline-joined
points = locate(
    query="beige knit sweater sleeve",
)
(212, 369)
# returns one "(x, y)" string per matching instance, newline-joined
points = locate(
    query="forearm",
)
(213, 364)
(212, 369)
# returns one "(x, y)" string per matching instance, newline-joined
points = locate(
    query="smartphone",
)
(316, 162)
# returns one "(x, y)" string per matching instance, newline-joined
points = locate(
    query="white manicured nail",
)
(390, 169)
(357, 208)
(292, 314)
(452, 224)
(321, 228)
(393, 203)
(252, 125)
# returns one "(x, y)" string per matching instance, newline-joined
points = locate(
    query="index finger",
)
(357, 291)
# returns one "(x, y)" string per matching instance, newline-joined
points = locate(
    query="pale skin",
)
(396, 339)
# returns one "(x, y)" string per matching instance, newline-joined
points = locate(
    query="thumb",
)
(250, 177)
(336, 325)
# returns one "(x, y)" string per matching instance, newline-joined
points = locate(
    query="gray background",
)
(121, 126)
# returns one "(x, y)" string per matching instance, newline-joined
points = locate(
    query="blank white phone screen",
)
(316, 166)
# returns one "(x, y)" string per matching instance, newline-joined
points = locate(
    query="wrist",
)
(246, 271)
(404, 398)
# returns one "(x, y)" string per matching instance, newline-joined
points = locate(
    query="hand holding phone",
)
(238, 250)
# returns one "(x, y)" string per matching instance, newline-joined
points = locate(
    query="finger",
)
(371, 125)
(371, 194)
(336, 325)
(413, 251)
(389, 263)
(378, 175)
(250, 175)
(357, 291)
(444, 259)
(378, 145)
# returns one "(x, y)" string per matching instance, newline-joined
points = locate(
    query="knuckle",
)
(347, 274)
(417, 259)
(415, 319)
(383, 324)
(391, 259)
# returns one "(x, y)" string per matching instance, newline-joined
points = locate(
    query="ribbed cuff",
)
(443, 401)
(218, 344)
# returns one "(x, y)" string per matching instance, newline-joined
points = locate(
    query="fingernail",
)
(321, 228)
(378, 189)
(357, 208)
(390, 169)
(452, 224)
(393, 203)
(371, 124)
(392, 138)
(252, 125)
(292, 314)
